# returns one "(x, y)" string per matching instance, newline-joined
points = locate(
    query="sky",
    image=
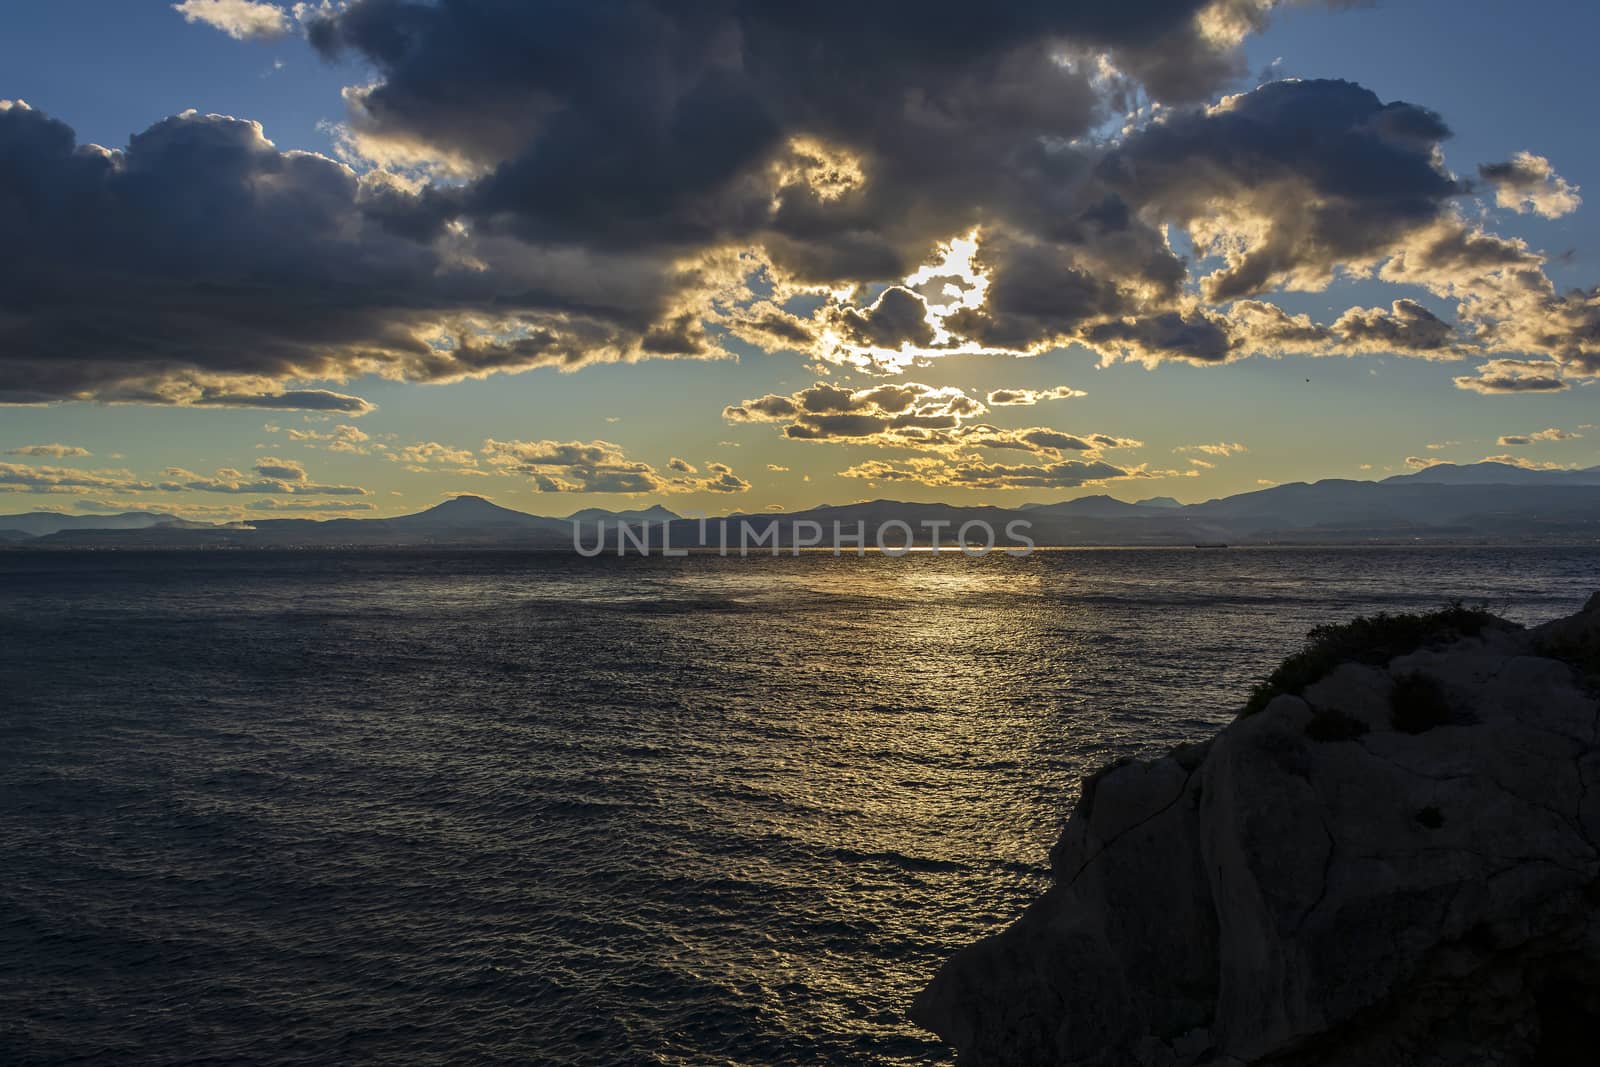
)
(353, 258)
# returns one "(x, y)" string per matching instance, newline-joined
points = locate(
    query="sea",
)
(474, 807)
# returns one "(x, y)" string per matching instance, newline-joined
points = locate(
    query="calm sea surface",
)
(474, 807)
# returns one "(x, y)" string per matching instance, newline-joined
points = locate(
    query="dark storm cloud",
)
(665, 99)
(200, 265)
(1041, 293)
(844, 138)
(1280, 187)
(185, 251)
(1195, 336)
(619, 172)
(1324, 170)
(897, 317)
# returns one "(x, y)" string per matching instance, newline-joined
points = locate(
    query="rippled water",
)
(477, 807)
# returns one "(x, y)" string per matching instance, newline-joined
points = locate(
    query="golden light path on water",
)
(448, 807)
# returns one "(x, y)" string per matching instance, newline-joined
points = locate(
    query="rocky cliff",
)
(1390, 860)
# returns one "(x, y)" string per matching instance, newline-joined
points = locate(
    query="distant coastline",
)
(1478, 504)
(38, 548)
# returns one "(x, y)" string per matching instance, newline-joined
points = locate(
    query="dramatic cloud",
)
(1565, 328)
(51, 451)
(1528, 183)
(926, 419)
(1514, 376)
(202, 266)
(240, 19)
(701, 95)
(1407, 327)
(873, 186)
(1288, 182)
(903, 412)
(602, 467)
(898, 318)
(976, 474)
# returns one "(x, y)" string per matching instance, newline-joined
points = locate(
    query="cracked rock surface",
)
(1398, 865)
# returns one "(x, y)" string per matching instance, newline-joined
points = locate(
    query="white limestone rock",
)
(1396, 865)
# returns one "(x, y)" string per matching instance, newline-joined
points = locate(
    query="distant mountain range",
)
(1490, 473)
(1443, 503)
(43, 523)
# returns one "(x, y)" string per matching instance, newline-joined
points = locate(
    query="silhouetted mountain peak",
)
(466, 510)
(1096, 505)
(1493, 472)
(467, 502)
(653, 513)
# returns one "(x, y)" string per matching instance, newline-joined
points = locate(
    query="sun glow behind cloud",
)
(1096, 190)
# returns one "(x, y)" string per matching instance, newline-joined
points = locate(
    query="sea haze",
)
(430, 807)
